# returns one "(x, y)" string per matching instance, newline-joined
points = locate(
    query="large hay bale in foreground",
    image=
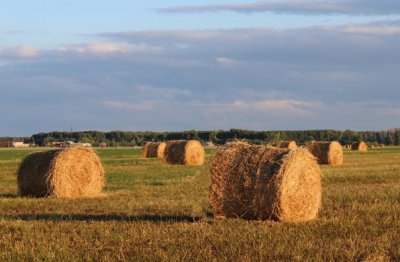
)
(153, 149)
(360, 146)
(261, 182)
(71, 172)
(286, 144)
(183, 152)
(327, 152)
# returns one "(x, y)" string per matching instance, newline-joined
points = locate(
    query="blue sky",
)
(174, 65)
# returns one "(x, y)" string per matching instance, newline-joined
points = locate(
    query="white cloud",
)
(290, 105)
(27, 51)
(391, 111)
(143, 106)
(268, 106)
(176, 38)
(166, 92)
(226, 61)
(24, 51)
(371, 29)
(351, 7)
(106, 48)
(277, 85)
(262, 6)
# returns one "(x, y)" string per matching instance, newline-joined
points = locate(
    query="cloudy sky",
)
(179, 65)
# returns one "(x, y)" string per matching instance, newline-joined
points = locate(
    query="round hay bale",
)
(260, 182)
(229, 191)
(161, 150)
(71, 172)
(183, 152)
(286, 144)
(360, 146)
(326, 152)
(153, 149)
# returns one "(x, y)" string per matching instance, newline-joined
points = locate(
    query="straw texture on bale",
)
(261, 182)
(286, 144)
(153, 149)
(183, 152)
(326, 152)
(71, 172)
(359, 146)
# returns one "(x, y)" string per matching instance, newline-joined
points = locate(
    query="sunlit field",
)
(154, 212)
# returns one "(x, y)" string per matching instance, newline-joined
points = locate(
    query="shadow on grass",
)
(105, 217)
(9, 196)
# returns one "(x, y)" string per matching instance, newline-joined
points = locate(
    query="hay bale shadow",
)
(9, 196)
(101, 217)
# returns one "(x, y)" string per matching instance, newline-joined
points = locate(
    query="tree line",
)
(138, 138)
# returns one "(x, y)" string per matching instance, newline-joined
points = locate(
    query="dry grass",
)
(155, 212)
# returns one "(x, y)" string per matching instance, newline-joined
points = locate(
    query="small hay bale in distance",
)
(261, 182)
(71, 173)
(286, 144)
(327, 152)
(182, 152)
(153, 149)
(161, 150)
(360, 146)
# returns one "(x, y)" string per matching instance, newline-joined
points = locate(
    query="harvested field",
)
(161, 212)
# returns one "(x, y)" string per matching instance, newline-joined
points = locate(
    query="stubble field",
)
(155, 212)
